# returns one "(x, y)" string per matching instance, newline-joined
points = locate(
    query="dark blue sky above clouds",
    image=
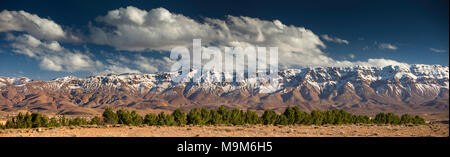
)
(352, 31)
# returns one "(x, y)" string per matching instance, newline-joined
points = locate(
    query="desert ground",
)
(430, 130)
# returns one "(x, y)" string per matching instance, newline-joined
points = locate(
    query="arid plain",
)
(430, 130)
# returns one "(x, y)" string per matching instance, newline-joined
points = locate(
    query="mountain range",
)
(416, 89)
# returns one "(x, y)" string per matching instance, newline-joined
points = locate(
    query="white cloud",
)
(133, 29)
(152, 65)
(387, 46)
(22, 21)
(334, 39)
(51, 55)
(380, 63)
(40, 28)
(437, 50)
(158, 29)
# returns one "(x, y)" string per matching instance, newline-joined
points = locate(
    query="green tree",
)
(161, 119)
(39, 120)
(251, 117)
(124, 117)
(329, 117)
(406, 119)
(54, 122)
(391, 118)
(211, 117)
(419, 120)
(194, 117)
(136, 118)
(216, 117)
(109, 116)
(20, 121)
(282, 120)
(308, 120)
(236, 117)
(166, 119)
(381, 118)
(226, 114)
(10, 124)
(317, 117)
(170, 120)
(179, 117)
(206, 116)
(269, 117)
(96, 121)
(151, 119)
(360, 119)
(78, 122)
(290, 115)
(299, 115)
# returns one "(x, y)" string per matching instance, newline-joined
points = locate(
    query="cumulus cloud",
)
(334, 39)
(51, 55)
(54, 57)
(157, 29)
(133, 29)
(34, 25)
(437, 50)
(31, 23)
(387, 46)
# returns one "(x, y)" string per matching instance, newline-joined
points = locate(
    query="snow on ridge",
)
(321, 78)
(16, 81)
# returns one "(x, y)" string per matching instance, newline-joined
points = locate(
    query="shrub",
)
(216, 117)
(251, 117)
(179, 117)
(96, 121)
(269, 117)
(195, 117)
(136, 118)
(110, 117)
(406, 119)
(290, 115)
(419, 120)
(151, 119)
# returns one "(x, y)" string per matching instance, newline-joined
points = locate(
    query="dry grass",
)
(436, 130)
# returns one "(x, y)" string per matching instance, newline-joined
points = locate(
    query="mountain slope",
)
(416, 89)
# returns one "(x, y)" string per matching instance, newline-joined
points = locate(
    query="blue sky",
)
(354, 32)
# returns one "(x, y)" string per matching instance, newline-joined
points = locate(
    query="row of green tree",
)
(36, 120)
(222, 115)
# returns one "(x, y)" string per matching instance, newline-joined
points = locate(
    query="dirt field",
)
(440, 130)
